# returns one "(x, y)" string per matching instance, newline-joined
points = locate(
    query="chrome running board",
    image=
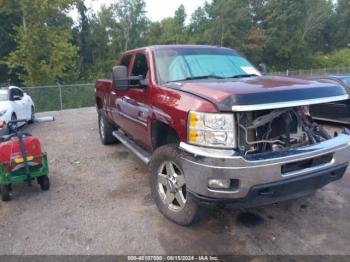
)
(133, 147)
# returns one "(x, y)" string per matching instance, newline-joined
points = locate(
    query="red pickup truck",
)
(215, 132)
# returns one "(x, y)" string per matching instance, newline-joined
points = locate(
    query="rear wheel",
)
(106, 130)
(168, 185)
(44, 183)
(5, 192)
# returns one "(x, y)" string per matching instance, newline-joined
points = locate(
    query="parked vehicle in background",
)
(16, 104)
(21, 160)
(338, 111)
(215, 132)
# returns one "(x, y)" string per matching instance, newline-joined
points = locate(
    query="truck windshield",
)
(181, 64)
(3, 95)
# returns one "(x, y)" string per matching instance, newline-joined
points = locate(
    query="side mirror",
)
(122, 81)
(120, 77)
(262, 68)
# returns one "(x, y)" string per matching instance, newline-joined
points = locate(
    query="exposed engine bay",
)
(277, 130)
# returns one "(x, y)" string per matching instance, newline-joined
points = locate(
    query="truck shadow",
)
(228, 231)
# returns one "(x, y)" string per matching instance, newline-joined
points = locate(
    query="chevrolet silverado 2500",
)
(214, 131)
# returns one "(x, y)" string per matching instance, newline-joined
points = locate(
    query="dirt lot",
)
(99, 203)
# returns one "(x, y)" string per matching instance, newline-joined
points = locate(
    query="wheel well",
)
(163, 134)
(98, 103)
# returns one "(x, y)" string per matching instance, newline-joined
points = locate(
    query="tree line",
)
(41, 44)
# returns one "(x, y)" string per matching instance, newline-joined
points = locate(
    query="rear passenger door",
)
(133, 103)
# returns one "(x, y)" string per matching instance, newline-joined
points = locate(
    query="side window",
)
(140, 66)
(16, 92)
(126, 60)
(20, 92)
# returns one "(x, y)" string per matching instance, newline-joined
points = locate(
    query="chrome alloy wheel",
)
(172, 186)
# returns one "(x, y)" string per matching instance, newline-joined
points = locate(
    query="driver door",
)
(133, 104)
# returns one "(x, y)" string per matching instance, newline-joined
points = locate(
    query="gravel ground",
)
(99, 203)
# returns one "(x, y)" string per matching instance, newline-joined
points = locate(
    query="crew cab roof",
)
(165, 47)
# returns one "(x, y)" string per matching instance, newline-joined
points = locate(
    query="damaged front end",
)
(261, 146)
(277, 130)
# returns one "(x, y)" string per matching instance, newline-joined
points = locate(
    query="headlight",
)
(3, 112)
(211, 129)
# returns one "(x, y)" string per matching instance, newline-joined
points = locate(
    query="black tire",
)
(5, 193)
(106, 129)
(13, 117)
(44, 183)
(32, 115)
(187, 214)
(12, 127)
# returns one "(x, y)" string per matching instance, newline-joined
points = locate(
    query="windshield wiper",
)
(197, 78)
(243, 76)
(204, 77)
(211, 76)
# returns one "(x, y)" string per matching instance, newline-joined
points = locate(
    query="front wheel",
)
(5, 193)
(168, 186)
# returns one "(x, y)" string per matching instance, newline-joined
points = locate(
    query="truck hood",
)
(260, 93)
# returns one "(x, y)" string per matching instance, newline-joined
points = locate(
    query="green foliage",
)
(198, 26)
(286, 46)
(44, 53)
(104, 35)
(81, 35)
(337, 58)
(293, 30)
(230, 22)
(104, 45)
(131, 21)
(170, 30)
(342, 24)
(41, 45)
(7, 43)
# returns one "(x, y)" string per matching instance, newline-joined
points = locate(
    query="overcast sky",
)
(156, 9)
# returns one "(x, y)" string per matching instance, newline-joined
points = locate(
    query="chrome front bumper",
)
(200, 165)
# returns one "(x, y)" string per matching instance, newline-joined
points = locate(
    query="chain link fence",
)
(60, 97)
(315, 72)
